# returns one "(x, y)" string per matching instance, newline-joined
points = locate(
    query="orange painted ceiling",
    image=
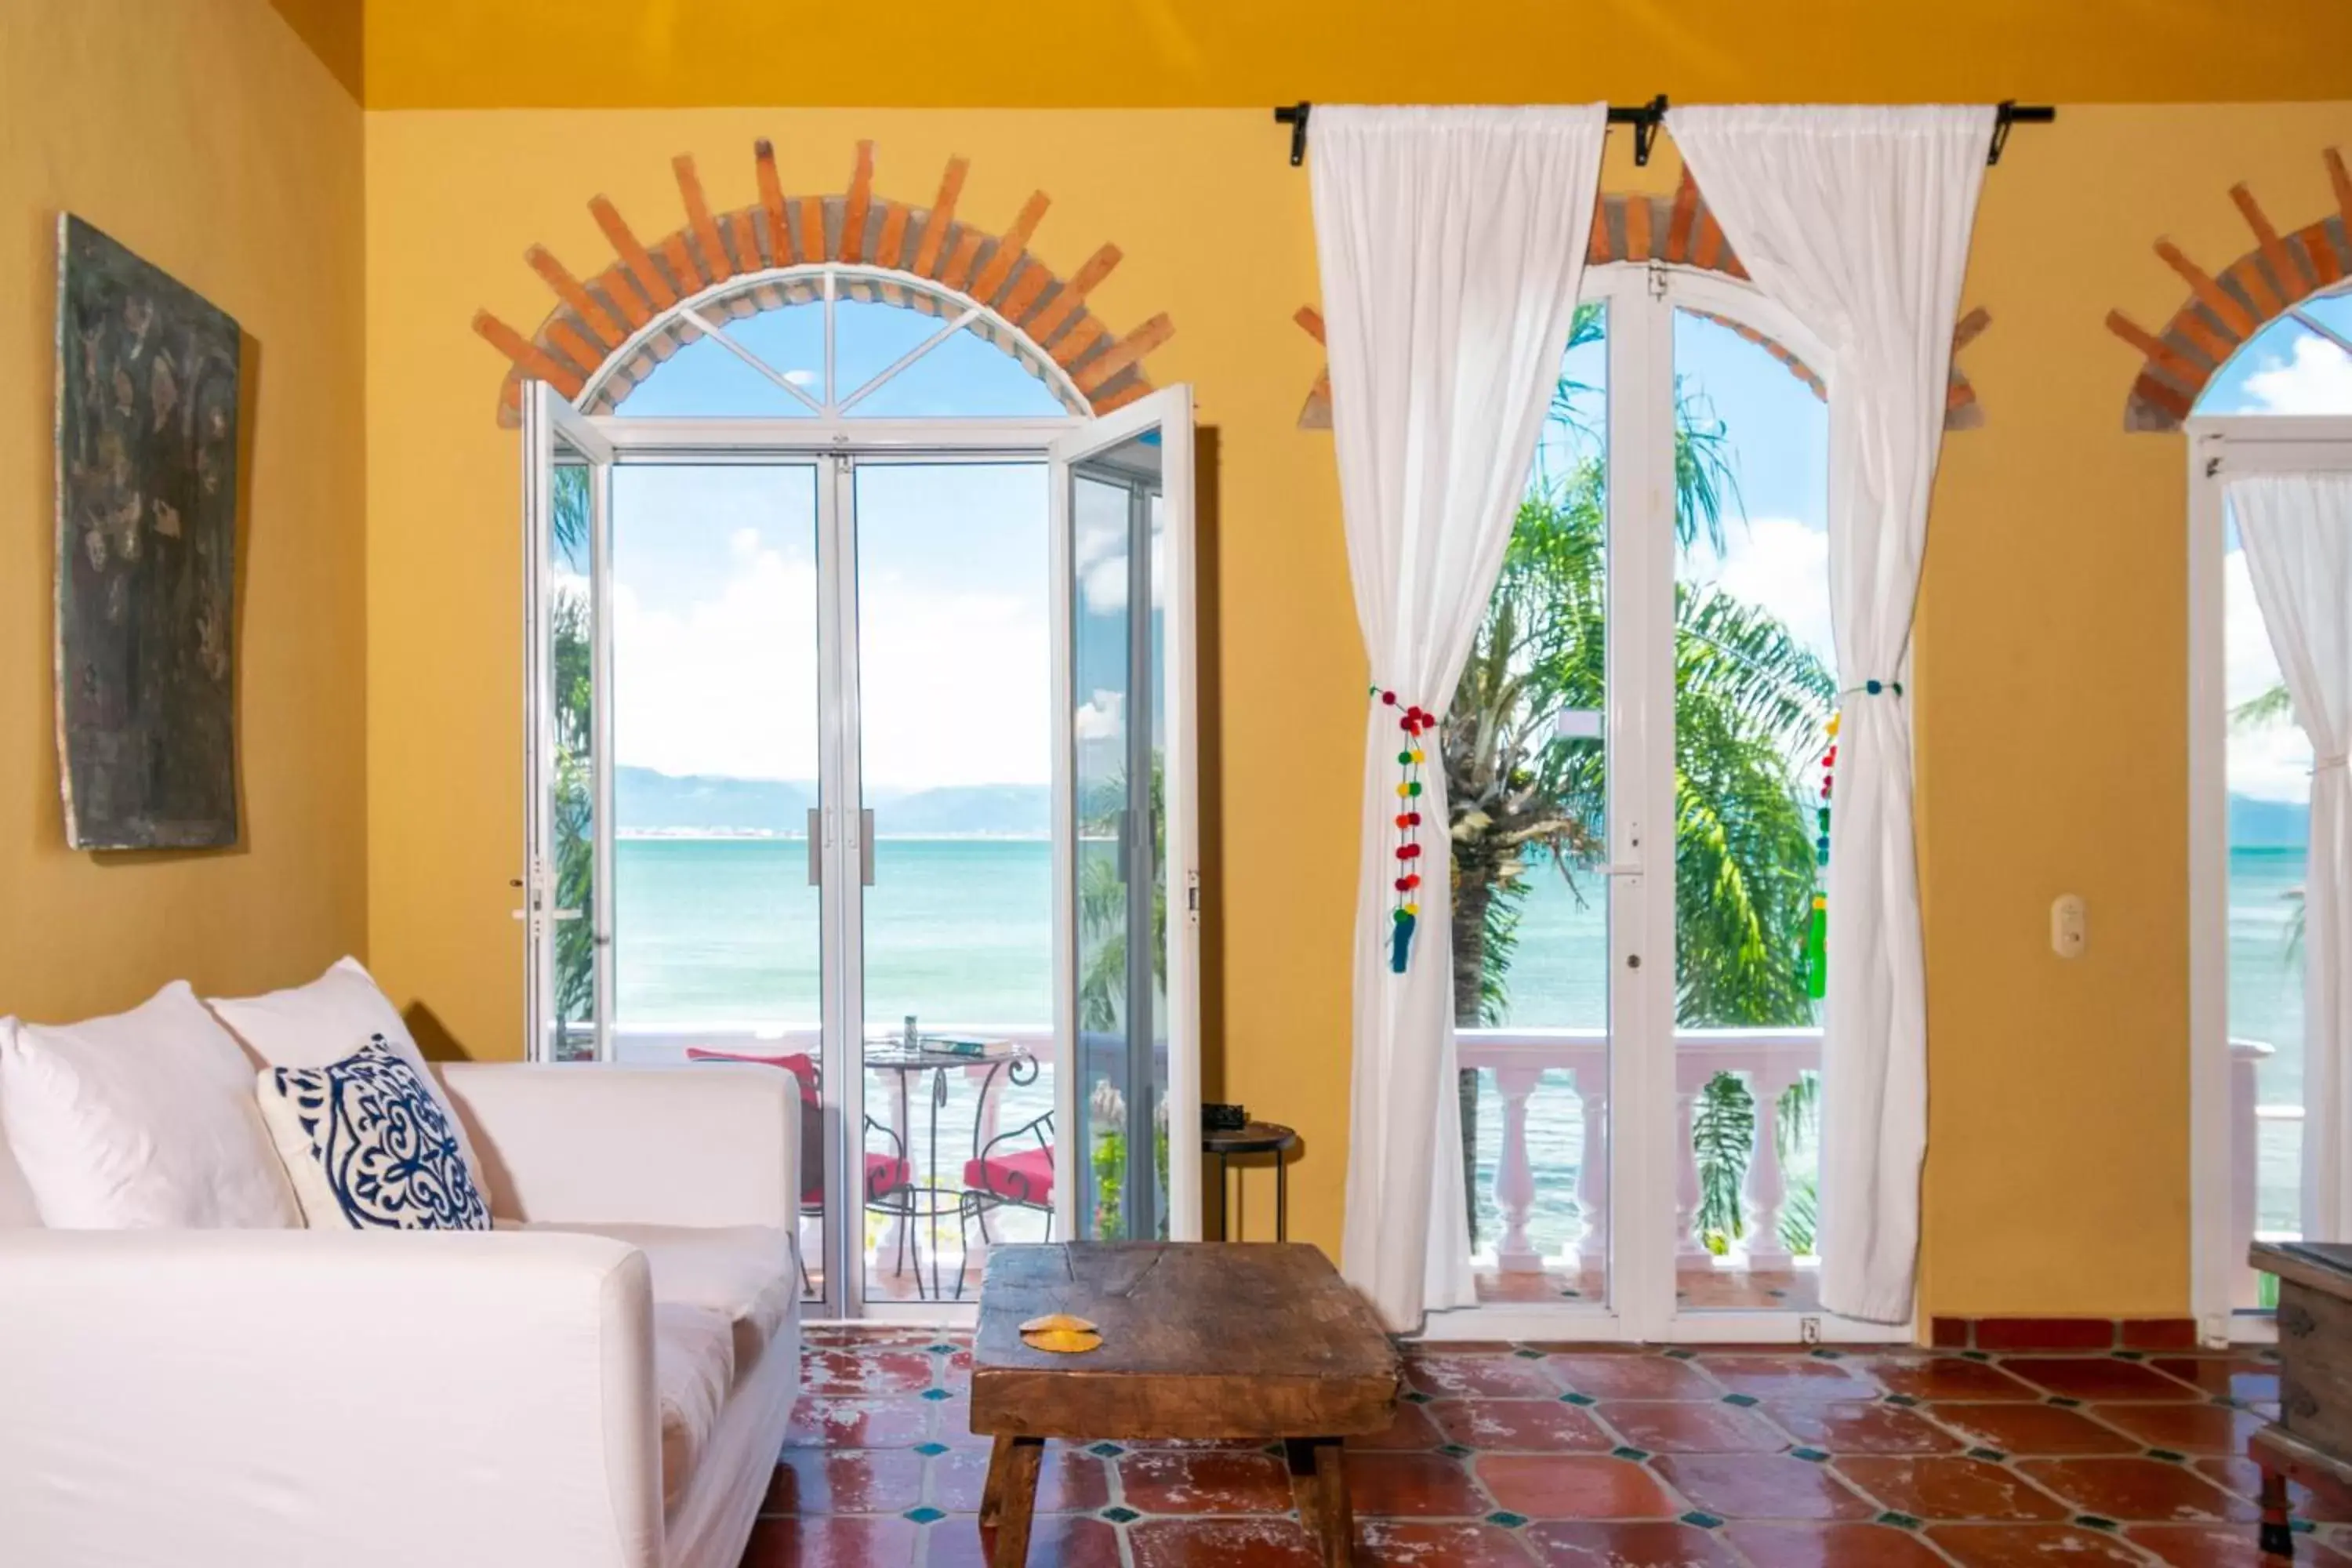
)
(497, 53)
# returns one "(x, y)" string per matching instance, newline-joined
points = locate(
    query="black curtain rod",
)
(1645, 118)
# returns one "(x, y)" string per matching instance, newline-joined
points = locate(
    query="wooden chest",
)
(2311, 1441)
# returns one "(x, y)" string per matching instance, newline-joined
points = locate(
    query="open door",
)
(567, 879)
(1126, 840)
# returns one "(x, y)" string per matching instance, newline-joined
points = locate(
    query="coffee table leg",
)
(1011, 1495)
(1319, 1484)
(2277, 1534)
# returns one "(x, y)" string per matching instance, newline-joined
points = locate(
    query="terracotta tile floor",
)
(1592, 1458)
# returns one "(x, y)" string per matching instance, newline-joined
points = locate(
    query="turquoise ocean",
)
(714, 931)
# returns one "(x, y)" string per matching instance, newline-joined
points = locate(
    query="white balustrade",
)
(1768, 1060)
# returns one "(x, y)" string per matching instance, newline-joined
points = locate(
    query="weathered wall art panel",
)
(146, 475)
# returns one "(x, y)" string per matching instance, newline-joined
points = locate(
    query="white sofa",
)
(603, 1381)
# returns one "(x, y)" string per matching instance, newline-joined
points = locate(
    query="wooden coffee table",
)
(1201, 1340)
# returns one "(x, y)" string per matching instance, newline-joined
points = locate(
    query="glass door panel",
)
(716, 799)
(1129, 885)
(568, 467)
(1526, 748)
(1755, 685)
(953, 677)
(2267, 774)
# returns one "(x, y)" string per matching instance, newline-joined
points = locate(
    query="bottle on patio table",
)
(914, 1036)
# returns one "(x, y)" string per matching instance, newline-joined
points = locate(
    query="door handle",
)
(1622, 868)
(816, 847)
(865, 846)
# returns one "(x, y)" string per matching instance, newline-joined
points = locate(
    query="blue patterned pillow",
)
(369, 1147)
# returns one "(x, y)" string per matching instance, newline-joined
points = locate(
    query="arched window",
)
(833, 342)
(2300, 362)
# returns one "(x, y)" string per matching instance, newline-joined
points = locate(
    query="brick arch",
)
(612, 330)
(1679, 231)
(2224, 311)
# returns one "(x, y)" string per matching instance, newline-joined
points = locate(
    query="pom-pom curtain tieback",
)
(2321, 764)
(1874, 688)
(1415, 721)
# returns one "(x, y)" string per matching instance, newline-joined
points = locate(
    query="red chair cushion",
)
(885, 1175)
(799, 1064)
(1026, 1177)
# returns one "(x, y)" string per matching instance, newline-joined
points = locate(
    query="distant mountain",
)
(2268, 824)
(651, 802)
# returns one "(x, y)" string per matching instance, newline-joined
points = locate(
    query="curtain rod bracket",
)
(1645, 118)
(1294, 116)
(2008, 112)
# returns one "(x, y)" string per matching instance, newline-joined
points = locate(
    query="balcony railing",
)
(1767, 1061)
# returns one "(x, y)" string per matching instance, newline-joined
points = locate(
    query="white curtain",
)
(1857, 220)
(2297, 530)
(1452, 242)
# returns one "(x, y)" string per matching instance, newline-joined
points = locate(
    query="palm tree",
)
(1750, 704)
(572, 804)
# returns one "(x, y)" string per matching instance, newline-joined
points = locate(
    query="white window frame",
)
(1645, 1145)
(2217, 447)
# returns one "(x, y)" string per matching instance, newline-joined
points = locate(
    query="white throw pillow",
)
(370, 1146)
(332, 1018)
(142, 1121)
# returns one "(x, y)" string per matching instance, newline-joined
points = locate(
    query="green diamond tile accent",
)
(1974, 1355)
(2300, 1526)
(2130, 1355)
(1118, 1515)
(1629, 1452)
(931, 1450)
(2093, 1522)
(1415, 1396)
(937, 1394)
(1814, 1455)
(2167, 1456)
(2062, 1402)
(1825, 1353)
(1990, 1456)
(925, 1514)
(1507, 1518)
(942, 1348)
(1742, 1400)
(1904, 1400)
(1107, 1450)
(1899, 1520)
(1453, 1451)
(1578, 1399)
(1704, 1521)
(1525, 1354)
(1681, 1354)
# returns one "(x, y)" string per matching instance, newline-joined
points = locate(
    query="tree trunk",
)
(1472, 894)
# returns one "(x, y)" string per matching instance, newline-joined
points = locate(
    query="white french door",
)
(858, 743)
(1645, 1128)
(2248, 800)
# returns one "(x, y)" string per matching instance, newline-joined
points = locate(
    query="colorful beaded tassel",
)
(1409, 758)
(1817, 927)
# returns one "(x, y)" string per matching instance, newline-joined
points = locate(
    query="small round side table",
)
(1255, 1138)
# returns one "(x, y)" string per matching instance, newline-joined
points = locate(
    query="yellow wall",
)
(204, 136)
(2052, 645)
(1079, 54)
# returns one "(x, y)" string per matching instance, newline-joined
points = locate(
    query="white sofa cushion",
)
(17, 1210)
(326, 1020)
(744, 1272)
(368, 1146)
(142, 1121)
(694, 1372)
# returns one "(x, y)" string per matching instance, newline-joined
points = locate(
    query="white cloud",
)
(2317, 380)
(954, 684)
(1102, 716)
(1780, 564)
